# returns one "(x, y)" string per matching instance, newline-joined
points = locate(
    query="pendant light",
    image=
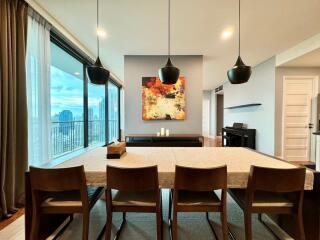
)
(240, 73)
(96, 72)
(169, 74)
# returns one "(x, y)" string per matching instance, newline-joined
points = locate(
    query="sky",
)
(67, 93)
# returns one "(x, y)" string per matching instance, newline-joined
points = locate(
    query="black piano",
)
(238, 136)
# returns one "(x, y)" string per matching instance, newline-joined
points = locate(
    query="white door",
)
(297, 114)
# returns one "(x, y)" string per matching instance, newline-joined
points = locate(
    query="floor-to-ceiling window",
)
(79, 114)
(96, 114)
(113, 111)
(67, 110)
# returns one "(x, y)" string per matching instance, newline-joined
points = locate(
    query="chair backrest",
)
(200, 179)
(132, 179)
(276, 180)
(57, 179)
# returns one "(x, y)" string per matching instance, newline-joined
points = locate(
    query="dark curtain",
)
(13, 104)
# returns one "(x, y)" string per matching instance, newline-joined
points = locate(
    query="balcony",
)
(68, 136)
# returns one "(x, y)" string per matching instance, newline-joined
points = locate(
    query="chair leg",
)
(267, 226)
(169, 214)
(109, 225)
(170, 205)
(300, 235)
(161, 215)
(231, 234)
(212, 229)
(124, 220)
(85, 225)
(174, 225)
(102, 232)
(35, 224)
(248, 225)
(63, 228)
(224, 224)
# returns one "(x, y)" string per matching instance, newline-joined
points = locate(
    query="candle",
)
(167, 132)
(158, 134)
(162, 131)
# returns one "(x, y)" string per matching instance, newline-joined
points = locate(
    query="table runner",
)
(238, 161)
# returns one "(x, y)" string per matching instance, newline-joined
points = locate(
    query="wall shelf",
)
(243, 106)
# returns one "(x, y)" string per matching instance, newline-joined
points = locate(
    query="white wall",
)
(136, 67)
(206, 113)
(213, 113)
(298, 50)
(259, 89)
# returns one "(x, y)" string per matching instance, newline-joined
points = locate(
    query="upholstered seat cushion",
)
(145, 198)
(71, 198)
(192, 198)
(263, 199)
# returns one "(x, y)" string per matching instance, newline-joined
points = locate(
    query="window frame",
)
(67, 46)
(119, 86)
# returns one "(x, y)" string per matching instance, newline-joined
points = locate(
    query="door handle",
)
(310, 125)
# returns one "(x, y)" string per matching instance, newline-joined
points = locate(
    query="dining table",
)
(237, 159)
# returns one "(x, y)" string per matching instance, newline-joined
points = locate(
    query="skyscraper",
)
(65, 122)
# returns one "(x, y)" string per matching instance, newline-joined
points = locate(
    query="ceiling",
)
(139, 27)
(311, 59)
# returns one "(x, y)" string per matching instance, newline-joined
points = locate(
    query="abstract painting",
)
(161, 101)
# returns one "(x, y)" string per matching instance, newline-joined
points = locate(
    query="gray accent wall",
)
(259, 89)
(136, 67)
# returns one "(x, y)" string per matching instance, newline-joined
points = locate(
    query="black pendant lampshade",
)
(96, 72)
(169, 74)
(240, 73)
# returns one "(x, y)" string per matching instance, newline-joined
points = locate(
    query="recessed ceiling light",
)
(76, 73)
(227, 33)
(101, 32)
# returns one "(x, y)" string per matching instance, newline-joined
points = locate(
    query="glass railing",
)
(113, 129)
(97, 132)
(68, 136)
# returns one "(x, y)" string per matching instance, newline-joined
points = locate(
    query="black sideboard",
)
(175, 140)
(238, 137)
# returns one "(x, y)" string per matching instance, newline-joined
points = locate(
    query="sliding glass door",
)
(96, 115)
(67, 110)
(81, 114)
(113, 112)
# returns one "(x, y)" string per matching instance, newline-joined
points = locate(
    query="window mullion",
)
(107, 112)
(119, 114)
(85, 107)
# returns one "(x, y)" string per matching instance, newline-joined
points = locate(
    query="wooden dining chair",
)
(61, 191)
(270, 190)
(135, 190)
(194, 192)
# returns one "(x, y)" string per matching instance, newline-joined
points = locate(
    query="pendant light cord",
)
(98, 45)
(169, 30)
(239, 27)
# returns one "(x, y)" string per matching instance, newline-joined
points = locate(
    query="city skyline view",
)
(67, 90)
(67, 94)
